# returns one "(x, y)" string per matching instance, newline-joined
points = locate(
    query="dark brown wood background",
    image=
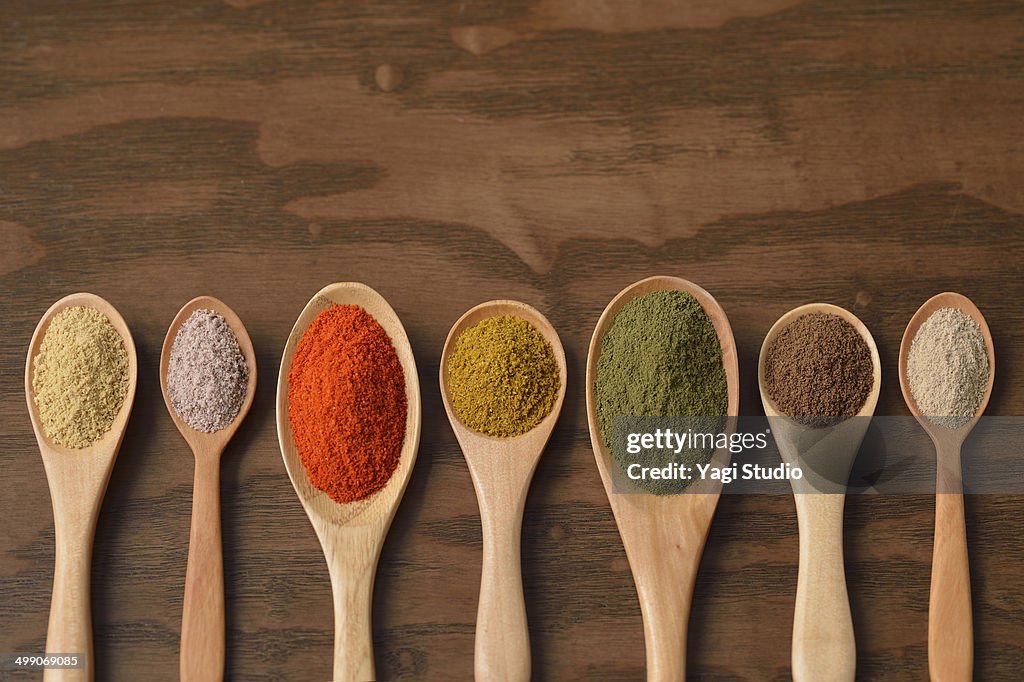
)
(867, 154)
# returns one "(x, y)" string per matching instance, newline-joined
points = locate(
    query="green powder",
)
(80, 377)
(502, 376)
(660, 358)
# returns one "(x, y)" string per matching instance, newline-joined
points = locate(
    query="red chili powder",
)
(346, 403)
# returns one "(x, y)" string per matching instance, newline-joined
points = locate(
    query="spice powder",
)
(347, 404)
(948, 367)
(503, 378)
(818, 370)
(661, 357)
(207, 375)
(79, 377)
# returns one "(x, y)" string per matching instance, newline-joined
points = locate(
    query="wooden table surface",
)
(867, 154)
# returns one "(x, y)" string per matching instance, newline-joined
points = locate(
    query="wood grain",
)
(861, 153)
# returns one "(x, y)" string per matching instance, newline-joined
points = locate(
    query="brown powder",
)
(818, 370)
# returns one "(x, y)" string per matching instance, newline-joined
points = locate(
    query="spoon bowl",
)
(202, 623)
(502, 469)
(950, 628)
(209, 444)
(826, 454)
(938, 432)
(77, 479)
(824, 647)
(663, 536)
(351, 534)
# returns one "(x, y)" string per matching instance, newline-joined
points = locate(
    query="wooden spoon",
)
(824, 647)
(77, 479)
(502, 469)
(950, 632)
(352, 535)
(663, 535)
(202, 620)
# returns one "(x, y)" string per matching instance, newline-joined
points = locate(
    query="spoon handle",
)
(950, 630)
(70, 628)
(665, 572)
(352, 570)
(202, 620)
(824, 649)
(502, 636)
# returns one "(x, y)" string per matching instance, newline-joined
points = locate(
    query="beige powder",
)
(80, 377)
(948, 367)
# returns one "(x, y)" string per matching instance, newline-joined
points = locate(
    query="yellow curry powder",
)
(80, 377)
(502, 376)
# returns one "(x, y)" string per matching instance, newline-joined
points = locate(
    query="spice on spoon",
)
(818, 370)
(948, 367)
(207, 375)
(79, 377)
(347, 404)
(661, 357)
(502, 376)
